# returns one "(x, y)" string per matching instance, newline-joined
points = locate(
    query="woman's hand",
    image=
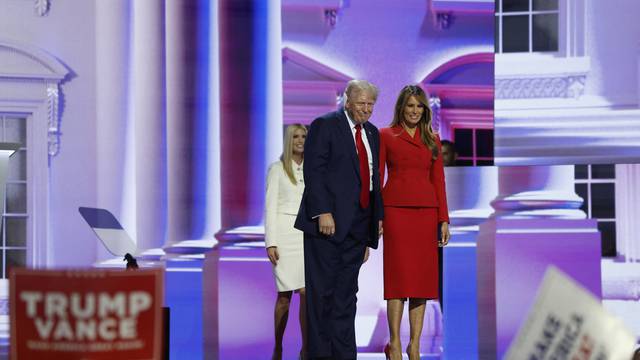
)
(445, 234)
(272, 253)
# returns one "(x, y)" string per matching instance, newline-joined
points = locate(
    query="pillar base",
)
(513, 255)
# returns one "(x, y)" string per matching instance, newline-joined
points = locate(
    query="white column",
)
(627, 211)
(214, 192)
(621, 279)
(273, 92)
(149, 117)
(537, 223)
(537, 191)
(638, 91)
(181, 52)
(470, 190)
(112, 70)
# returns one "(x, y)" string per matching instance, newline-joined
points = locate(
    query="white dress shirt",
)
(352, 125)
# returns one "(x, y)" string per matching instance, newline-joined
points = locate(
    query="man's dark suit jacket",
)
(332, 177)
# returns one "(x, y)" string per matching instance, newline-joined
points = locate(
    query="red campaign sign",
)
(86, 314)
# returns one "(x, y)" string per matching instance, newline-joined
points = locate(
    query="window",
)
(14, 218)
(525, 26)
(474, 146)
(596, 185)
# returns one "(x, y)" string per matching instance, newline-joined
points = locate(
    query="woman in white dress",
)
(284, 243)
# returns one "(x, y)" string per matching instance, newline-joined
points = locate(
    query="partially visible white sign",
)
(568, 322)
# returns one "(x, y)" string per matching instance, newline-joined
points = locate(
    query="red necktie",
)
(364, 168)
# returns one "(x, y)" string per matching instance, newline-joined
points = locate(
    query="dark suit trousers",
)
(441, 277)
(331, 276)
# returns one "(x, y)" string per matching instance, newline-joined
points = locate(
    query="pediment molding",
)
(310, 88)
(30, 79)
(23, 61)
(437, 84)
(315, 70)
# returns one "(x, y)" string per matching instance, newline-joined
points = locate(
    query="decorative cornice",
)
(331, 17)
(53, 115)
(569, 86)
(470, 118)
(42, 7)
(304, 114)
(30, 64)
(443, 12)
(443, 21)
(461, 91)
(457, 62)
(313, 65)
(331, 9)
(533, 76)
(435, 104)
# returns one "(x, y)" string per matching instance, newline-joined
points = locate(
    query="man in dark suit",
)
(341, 216)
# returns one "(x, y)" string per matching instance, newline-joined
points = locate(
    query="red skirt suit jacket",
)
(415, 180)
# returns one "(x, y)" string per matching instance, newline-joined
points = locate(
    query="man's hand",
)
(366, 254)
(326, 224)
(272, 253)
(380, 230)
(444, 230)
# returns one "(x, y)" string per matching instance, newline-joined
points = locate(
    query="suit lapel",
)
(373, 144)
(404, 135)
(347, 139)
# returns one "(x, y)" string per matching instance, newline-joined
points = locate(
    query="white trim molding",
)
(538, 76)
(310, 87)
(549, 75)
(30, 82)
(53, 99)
(42, 7)
(23, 64)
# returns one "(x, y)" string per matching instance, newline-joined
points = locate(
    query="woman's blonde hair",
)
(287, 152)
(427, 134)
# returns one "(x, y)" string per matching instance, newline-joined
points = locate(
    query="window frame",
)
(4, 247)
(34, 86)
(562, 29)
(589, 181)
(474, 157)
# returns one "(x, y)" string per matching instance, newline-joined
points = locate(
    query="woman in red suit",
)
(415, 206)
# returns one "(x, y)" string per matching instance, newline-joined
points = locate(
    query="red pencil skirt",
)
(410, 252)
